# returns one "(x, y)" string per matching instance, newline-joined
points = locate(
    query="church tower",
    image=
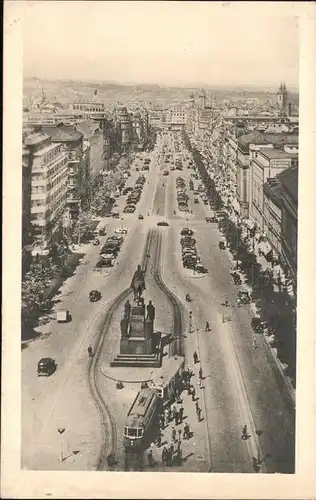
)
(282, 99)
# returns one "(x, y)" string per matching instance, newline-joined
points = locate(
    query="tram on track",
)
(149, 403)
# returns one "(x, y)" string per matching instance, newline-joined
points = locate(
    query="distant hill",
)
(110, 93)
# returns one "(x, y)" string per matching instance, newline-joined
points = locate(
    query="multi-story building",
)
(89, 110)
(289, 184)
(94, 136)
(265, 164)
(272, 214)
(78, 167)
(48, 162)
(248, 146)
(177, 117)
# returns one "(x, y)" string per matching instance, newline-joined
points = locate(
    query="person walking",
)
(186, 431)
(173, 434)
(197, 406)
(169, 414)
(193, 393)
(90, 351)
(198, 412)
(181, 411)
(164, 455)
(176, 417)
(179, 432)
(244, 433)
(207, 327)
(254, 343)
(150, 458)
(200, 383)
(195, 357)
(201, 373)
(174, 412)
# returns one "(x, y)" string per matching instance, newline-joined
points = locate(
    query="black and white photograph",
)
(159, 168)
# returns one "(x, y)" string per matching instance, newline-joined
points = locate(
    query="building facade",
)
(49, 164)
(272, 215)
(78, 168)
(265, 163)
(248, 147)
(289, 184)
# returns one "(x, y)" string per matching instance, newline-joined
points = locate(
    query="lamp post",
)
(61, 430)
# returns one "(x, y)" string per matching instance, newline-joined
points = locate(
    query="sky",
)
(168, 43)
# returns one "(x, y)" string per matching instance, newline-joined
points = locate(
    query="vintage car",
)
(244, 297)
(162, 223)
(94, 295)
(222, 245)
(46, 366)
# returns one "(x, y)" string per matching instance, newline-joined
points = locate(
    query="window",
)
(131, 432)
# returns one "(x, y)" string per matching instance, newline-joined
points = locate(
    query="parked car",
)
(222, 245)
(120, 230)
(141, 217)
(258, 326)
(162, 223)
(94, 295)
(46, 366)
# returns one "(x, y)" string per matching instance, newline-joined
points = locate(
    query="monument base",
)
(135, 351)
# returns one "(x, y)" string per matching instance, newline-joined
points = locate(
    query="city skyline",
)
(187, 44)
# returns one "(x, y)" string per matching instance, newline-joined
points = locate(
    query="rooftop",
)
(62, 132)
(274, 153)
(87, 128)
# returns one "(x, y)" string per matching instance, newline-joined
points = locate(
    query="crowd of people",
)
(173, 417)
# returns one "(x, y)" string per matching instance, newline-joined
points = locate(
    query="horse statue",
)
(138, 283)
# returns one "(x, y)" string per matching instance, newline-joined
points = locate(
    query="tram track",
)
(108, 426)
(109, 434)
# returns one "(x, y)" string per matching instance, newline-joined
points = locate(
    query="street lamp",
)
(61, 430)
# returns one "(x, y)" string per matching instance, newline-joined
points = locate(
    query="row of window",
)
(48, 157)
(83, 107)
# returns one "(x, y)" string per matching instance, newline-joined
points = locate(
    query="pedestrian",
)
(190, 372)
(164, 454)
(174, 411)
(169, 458)
(200, 373)
(171, 448)
(90, 351)
(226, 302)
(254, 343)
(197, 406)
(238, 302)
(173, 434)
(159, 439)
(199, 414)
(176, 417)
(200, 383)
(207, 327)
(179, 432)
(244, 434)
(195, 357)
(169, 414)
(186, 431)
(181, 411)
(150, 458)
(193, 393)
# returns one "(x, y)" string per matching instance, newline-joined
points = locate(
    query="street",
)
(240, 386)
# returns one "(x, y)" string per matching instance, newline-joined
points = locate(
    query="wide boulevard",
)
(241, 385)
